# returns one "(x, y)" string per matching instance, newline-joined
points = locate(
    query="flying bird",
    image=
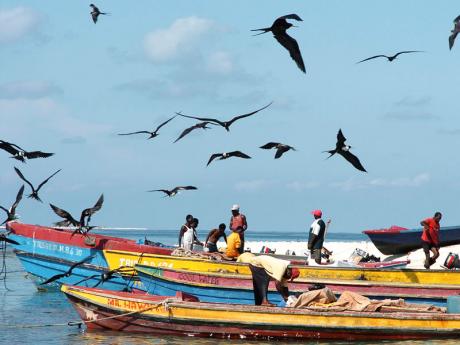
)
(20, 154)
(34, 194)
(225, 124)
(454, 32)
(86, 213)
(95, 13)
(344, 151)
(391, 58)
(202, 125)
(226, 155)
(11, 212)
(68, 273)
(280, 148)
(3, 238)
(278, 29)
(173, 191)
(151, 134)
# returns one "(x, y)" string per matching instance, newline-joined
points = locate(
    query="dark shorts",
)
(212, 247)
(260, 281)
(316, 254)
(427, 246)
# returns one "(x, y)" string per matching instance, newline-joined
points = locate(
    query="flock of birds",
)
(279, 30)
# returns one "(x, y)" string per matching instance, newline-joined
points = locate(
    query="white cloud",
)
(253, 185)
(220, 63)
(402, 182)
(298, 186)
(27, 89)
(16, 23)
(181, 36)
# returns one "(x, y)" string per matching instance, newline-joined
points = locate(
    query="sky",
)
(69, 86)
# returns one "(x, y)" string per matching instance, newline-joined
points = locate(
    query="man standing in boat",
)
(430, 238)
(316, 236)
(238, 220)
(214, 236)
(187, 234)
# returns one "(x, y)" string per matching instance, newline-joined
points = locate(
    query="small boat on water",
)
(236, 288)
(186, 316)
(117, 258)
(397, 240)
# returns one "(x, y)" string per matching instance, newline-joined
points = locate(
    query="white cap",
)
(235, 207)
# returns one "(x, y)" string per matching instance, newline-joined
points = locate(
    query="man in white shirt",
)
(316, 236)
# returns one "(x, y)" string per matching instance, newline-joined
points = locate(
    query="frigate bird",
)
(152, 134)
(11, 212)
(393, 57)
(454, 32)
(279, 28)
(202, 125)
(226, 155)
(173, 191)
(95, 13)
(225, 124)
(34, 194)
(20, 154)
(68, 273)
(280, 148)
(344, 150)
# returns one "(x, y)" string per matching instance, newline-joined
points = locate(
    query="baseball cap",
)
(317, 213)
(235, 207)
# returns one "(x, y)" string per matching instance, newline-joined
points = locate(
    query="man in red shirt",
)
(430, 238)
(238, 220)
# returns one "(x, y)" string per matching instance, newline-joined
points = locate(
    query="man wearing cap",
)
(238, 221)
(265, 268)
(316, 236)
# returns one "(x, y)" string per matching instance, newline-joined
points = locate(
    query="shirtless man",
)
(214, 236)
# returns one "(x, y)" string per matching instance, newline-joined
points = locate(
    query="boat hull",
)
(118, 311)
(232, 288)
(396, 240)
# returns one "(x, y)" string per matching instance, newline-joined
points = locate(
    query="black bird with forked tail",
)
(344, 150)
(11, 212)
(226, 155)
(152, 134)
(391, 58)
(34, 194)
(173, 191)
(279, 28)
(20, 154)
(280, 148)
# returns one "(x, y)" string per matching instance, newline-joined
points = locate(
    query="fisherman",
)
(238, 220)
(265, 268)
(316, 236)
(195, 223)
(214, 236)
(430, 238)
(187, 234)
(234, 243)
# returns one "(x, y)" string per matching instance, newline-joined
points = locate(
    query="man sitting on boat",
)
(214, 236)
(265, 268)
(234, 243)
(430, 238)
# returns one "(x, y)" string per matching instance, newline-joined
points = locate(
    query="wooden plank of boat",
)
(120, 311)
(116, 258)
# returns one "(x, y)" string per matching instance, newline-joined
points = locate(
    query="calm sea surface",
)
(31, 317)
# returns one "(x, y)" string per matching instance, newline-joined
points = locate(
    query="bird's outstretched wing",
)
(269, 145)
(408, 51)
(138, 132)
(21, 176)
(88, 212)
(64, 214)
(350, 157)
(340, 138)
(41, 184)
(454, 34)
(188, 130)
(205, 119)
(185, 188)
(37, 154)
(214, 156)
(373, 57)
(18, 199)
(238, 154)
(164, 123)
(94, 15)
(293, 47)
(292, 16)
(8, 147)
(282, 149)
(167, 192)
(248, 114)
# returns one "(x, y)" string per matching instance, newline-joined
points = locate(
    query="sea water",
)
(28, 316)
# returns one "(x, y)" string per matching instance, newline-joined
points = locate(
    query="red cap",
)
(317, 213)
(294, 273)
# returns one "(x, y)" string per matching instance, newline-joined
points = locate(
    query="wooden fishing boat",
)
(117, 258)
(45, 252)
(397, 240)
(237, 288)
(182, 315)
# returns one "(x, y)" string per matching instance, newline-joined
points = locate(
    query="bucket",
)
(453, 304)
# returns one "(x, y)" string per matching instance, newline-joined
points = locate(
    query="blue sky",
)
(68, 86)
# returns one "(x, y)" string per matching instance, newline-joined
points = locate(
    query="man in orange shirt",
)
(430, 238)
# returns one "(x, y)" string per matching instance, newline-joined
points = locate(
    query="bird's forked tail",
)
(264, 31)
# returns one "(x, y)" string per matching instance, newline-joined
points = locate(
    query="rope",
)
(80, 323)
(3, 271)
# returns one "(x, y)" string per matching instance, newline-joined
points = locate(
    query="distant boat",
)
(397, 240)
